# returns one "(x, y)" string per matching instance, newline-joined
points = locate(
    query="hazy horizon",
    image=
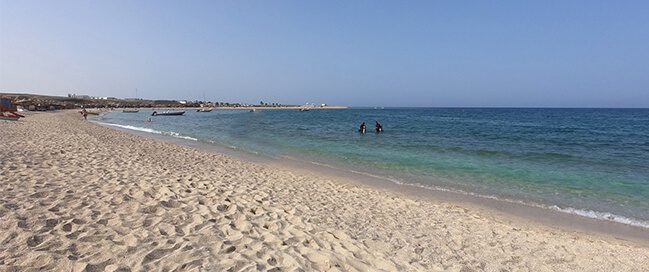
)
(379, 53)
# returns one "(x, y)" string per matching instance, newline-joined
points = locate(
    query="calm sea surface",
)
(591, 162)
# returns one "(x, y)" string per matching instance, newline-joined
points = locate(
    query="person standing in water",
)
(362, 129)
(378, 127)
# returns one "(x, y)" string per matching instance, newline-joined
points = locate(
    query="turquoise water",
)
(592, 162)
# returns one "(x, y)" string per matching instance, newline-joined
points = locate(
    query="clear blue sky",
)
(360, 53)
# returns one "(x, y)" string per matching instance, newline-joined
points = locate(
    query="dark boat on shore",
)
(130, 111)
(155, 113)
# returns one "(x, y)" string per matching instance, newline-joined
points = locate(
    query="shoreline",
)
(508, 209)
(81, 196)
(243, 108)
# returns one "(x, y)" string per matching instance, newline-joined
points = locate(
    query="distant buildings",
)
(83, 96)
(79, 96)
(102, 97)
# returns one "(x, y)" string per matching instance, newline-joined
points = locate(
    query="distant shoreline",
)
(35, 102)
(249, 108)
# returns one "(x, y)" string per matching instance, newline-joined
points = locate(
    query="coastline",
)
(245, 108)
(137, 191)
(510, 211)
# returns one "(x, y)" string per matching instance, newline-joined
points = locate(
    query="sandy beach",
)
(77, 196)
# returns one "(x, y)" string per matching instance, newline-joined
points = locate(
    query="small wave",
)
(178, 135)
(135, 128)
(604, 216)
(149, 130)
(186, 138)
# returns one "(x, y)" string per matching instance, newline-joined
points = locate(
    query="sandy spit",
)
(76, 196)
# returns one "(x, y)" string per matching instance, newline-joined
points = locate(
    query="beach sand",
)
(79, 196)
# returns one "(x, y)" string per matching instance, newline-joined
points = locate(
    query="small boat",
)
(304, 109)
(204, 110)
(131, 111)
(155, 113)
(10, 116)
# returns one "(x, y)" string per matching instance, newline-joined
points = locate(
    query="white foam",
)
(149, 130)
(134, 128)
(178, 135)
(603, 216)
(186, 138)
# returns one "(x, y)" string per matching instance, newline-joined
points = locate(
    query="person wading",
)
(378, 127)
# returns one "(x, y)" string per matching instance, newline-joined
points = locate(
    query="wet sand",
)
(78, 196)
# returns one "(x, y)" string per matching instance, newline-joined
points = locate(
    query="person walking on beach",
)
(378, 127)
(85, 114)
(362, 129)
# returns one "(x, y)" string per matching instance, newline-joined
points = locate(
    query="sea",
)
(587, 162)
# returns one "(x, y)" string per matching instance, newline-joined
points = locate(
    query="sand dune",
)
(77, 196)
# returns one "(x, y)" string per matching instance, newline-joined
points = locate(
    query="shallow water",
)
(591, 162)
